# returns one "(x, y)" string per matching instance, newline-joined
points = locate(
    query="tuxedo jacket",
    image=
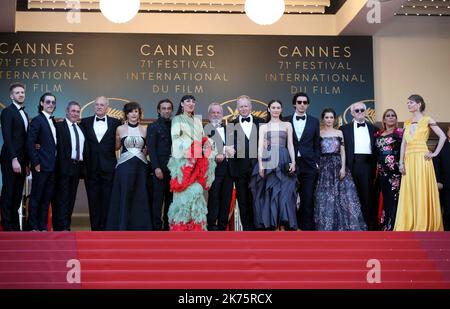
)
(349, 142)
(64, 164)
(14, 136)
(223, 168)
(246, 156)
(100, 156)
(442, 165)
(40, 133)
(159, 143)
(309, 142)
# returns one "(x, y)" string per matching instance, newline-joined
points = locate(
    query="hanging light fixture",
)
(264, 12)
(119, 11)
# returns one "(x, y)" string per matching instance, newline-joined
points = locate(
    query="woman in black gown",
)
(130, 208)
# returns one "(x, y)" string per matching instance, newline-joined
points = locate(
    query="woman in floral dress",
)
(388, 142)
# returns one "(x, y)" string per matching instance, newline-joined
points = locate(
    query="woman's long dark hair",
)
(184, 98)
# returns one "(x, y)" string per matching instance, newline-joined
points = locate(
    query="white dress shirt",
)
(299, 127)
(73, 141)
(246, 126)
(100, 127)
(24, 117)
(362, 139)
(51, 124)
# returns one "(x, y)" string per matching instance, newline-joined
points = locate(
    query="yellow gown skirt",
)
(418, 208)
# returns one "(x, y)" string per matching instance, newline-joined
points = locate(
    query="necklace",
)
(133, 125)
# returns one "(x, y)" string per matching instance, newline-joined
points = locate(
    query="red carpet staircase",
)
(225, 260)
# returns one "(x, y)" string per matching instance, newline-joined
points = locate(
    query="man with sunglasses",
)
(307, 151)
(13, 158)
(42, 132)
(359, 142)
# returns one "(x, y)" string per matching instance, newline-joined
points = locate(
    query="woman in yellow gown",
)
(418, 206)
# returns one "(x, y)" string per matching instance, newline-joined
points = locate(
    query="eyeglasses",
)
(304, 102)
(50, 102)
(391, 115)
(362, 110)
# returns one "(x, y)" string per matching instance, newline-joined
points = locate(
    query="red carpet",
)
(225, 260)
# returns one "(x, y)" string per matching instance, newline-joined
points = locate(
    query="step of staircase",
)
(224, 260)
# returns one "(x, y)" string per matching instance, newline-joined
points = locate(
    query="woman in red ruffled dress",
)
(192, 167)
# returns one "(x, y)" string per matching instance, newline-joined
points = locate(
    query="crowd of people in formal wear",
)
(289, 173)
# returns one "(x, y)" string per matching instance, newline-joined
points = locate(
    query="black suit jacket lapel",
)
(90, 128)
(66, 132)
(291, 120)
(47, 126)
(352, 137)
(305, 130)
(108, 130)
(19, 116)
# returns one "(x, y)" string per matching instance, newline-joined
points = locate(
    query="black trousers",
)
(219, 199)
(307, 178)
(363, 173)
(390, 200)
(445, 205)
(40, 198)
(66, 193)
(11, 197)
(98, 188)
(162, 198)
(245, 200)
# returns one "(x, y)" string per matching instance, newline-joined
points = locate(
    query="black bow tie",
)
(99, 119)
(246, 119)
(360, 125)
(21, 108)
(300, 117)
(51, 117)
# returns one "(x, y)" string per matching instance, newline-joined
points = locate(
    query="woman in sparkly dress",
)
(337, 206)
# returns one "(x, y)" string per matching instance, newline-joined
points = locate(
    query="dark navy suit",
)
(307, 168)
(14, 146)
(43, 181)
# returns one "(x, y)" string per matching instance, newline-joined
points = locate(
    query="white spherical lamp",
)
(119, 11)
(264, 12)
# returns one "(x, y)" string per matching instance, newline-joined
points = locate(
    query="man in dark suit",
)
(359, 144)
(307, 150)
(159, 144)
(13, 157)
(100, 161)
(219, 195)
(69, 166)
(42, 132)
(244, 136)
(442, 168)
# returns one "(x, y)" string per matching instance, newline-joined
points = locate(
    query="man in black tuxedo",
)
(13, 157)
(42, 132)
(159, 144)
(245, 139)
(359, 144)
(69, 166)
(100, 161)
(442, 168)
(219, 195)
(307, 150)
